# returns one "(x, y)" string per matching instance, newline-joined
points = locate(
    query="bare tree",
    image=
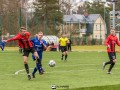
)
(80, 10)
(66, 7)
(118, 5)
(9, 15)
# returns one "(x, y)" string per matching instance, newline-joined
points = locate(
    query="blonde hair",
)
(40, 32)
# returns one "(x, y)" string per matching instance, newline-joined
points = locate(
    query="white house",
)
(92, 24)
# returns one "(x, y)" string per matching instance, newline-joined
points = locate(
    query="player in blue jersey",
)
(39, 45)
(2, 45)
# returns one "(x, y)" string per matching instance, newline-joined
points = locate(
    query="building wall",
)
(79, 29)
(99, 29)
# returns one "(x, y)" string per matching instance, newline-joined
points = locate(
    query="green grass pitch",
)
(82, 71)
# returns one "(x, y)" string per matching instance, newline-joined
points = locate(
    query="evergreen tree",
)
(49, 12)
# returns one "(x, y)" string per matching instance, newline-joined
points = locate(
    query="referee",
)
(63, 45)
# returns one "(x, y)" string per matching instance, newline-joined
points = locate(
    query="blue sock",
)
(34, 71)
(38, 67)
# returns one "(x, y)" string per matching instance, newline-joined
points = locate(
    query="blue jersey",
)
(38, 46)
(2, 45)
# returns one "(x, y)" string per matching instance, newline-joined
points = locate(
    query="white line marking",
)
(64, 71)
(17, 72)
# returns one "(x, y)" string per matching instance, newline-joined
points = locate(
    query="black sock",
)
(62, 55)
(108, 63)
(66, 57)
(111, 66)
(26, 68)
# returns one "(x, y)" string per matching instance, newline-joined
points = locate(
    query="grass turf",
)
(82, 71)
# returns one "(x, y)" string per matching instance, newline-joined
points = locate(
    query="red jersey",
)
(112, 41)
(23, 41)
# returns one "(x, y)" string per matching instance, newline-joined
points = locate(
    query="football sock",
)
(38, 64)
(38, 67)
(26, 68)
(111, 66)
(62, 55)
(107, 63)
(34, 71)
(66, 57)
(2, 48)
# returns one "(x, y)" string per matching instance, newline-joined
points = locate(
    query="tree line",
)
(47, 15)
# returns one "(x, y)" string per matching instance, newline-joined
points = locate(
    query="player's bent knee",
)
(114, 60)
(25, 62)
(36, 55)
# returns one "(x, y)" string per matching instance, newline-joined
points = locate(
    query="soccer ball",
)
(52, 63)
(53, 87)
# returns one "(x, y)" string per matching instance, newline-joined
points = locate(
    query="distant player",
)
(39, 45)
(24, 42)
(69, 42)
(2, 45)
(63, 45)
(110, 42)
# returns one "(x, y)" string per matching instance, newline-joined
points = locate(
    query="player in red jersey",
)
(24, 42)
(111, 41)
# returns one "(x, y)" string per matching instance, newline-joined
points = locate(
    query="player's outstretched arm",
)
(44, 44)
(4, 41)
(17, 37)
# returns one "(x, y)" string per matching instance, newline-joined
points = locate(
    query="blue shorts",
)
(2, 45)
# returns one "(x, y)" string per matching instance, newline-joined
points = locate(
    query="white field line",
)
(63, 71)
(71, 71)
(17, 72)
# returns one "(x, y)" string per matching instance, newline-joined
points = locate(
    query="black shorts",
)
(27, 51)
(63, 48)
(112, 55)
